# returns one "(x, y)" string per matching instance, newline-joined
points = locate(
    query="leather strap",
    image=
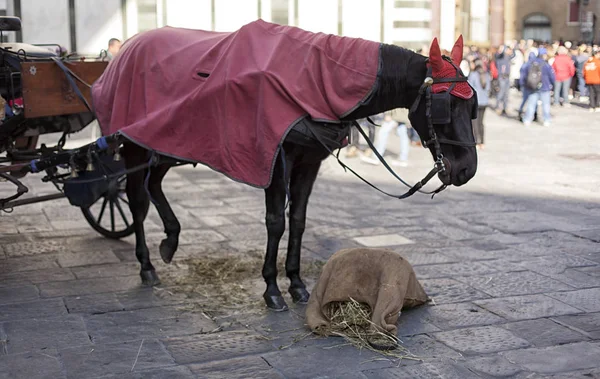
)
(412, 189)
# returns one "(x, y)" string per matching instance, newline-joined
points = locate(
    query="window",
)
(147, 19)
(423, 4)
(538, 27)
(280, 12)
(573, 12)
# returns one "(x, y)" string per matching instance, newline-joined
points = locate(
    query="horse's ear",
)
(457, 51)
(435, 56)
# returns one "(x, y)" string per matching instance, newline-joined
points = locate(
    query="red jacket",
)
(564, 67)
(591, 71)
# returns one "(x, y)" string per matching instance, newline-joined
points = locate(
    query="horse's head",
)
(442, 115)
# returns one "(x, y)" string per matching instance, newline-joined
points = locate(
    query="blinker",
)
(441, 109)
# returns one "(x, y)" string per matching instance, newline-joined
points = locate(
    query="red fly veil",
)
(441, 68)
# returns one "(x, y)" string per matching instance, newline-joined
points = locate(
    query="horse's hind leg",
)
(275, 221)
(301, 184)
(168, 246)
(135, 155)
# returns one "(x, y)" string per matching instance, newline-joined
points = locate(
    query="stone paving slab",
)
(18, 293)
(452, 316)
(526, 307)
(316, 361)
(42, 334)
(218, 346)
(89, 286)
(555, 359)
(114, 358)
(34, 309)
(544, 332)
(495, 366)
(44, 365)
(586, 324)
(587, 299)
(450, 291)
(511, 261)
(481, 340)
(514, 283)
(237, 368)
(425, 370)
(177, 372)
(151, 323)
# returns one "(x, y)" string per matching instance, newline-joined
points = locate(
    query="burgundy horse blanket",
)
(227, 100)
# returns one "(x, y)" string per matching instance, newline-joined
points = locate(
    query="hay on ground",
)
(352, 321)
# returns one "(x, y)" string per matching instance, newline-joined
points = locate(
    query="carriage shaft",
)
(32, 200)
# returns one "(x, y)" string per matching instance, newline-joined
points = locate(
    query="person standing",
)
(591, 74)
(114, 45)
(582, 57)
(538, 77)
(503, 58)
(387, 126)
(564, 69)
(481, 81)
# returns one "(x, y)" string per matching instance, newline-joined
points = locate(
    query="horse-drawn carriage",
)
(45, 92)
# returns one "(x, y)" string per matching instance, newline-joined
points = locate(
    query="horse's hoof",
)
(275, 303)
(299, 295)
(149, 278)
(167, 250)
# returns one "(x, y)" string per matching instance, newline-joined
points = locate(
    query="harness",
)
(438, 111)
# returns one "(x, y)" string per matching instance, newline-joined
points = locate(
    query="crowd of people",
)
(552, 75)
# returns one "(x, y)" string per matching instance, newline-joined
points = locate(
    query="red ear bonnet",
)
(440, 68)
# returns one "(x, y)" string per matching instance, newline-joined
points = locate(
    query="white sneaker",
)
(592, 110)
(546, 123)
(597, 110)
(370, 160)
(527, 124)
(584, 99)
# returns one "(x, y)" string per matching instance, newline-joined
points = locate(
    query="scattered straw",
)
(351, 320)
(229, 283)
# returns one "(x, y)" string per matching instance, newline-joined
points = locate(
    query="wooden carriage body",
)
(47, 92)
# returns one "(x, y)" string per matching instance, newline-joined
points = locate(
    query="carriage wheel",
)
(110, 215)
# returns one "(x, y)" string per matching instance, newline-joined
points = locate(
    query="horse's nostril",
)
(463, 175)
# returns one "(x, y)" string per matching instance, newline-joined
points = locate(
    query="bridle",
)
(441, 113)
(438, 110)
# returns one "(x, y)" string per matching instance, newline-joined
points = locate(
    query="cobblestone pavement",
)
(512, 261)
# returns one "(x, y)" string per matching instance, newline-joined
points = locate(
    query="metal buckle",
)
(439, 163)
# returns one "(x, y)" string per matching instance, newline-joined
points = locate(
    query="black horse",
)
(404, 81)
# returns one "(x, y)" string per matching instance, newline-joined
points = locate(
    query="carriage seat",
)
(30, 50)
(10, 24)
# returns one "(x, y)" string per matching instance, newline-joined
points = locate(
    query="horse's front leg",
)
(302, 180)
(275, 196)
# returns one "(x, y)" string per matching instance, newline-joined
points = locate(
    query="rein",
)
(439, 166)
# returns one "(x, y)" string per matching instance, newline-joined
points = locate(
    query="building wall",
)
(95, 23)
(409, 23)
(557, 10)
(46, 22)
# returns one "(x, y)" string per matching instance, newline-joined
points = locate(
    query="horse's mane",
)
(399, 77)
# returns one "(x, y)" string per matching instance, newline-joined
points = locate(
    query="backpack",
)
(534, 76)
